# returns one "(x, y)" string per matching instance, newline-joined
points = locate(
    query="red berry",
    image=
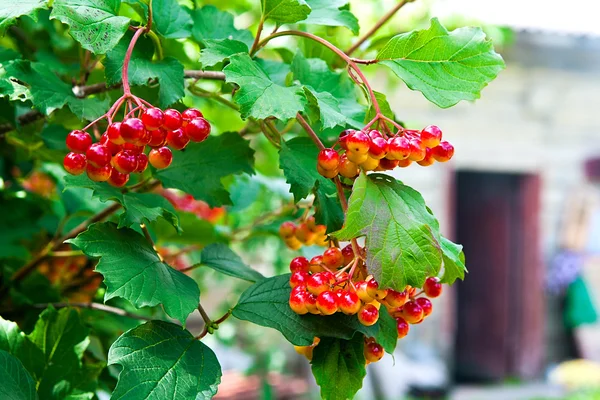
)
(348, 253)
(74, 163)
(133, 148)
(299, 278)
(373, 352)
(78, 141)
(160, 158)
(287, 229)
(304, 234)
(368, 315)
(190, 114)
(348, 302)
(99, 174)
(378, 147)
(361, 291)
(317, 283)
(315, 264)
(387, 164)
(327, 303)
(142, 160)
(98, 155)
(443, 152)
(299, 264)
(114, 133)
(113, 148)
(329, 277)
(311, 303)
(333, 258)
(177, 139)
(328, 159)
(347, 168)
(153, 118)
(118, 179)
(399, 148)
(132, 130)
(298, 301)
(412, 312)
(431, 136)
(173, 119)
(344, 136)
(432, 287)
(373, 133)
(125, 161)
(428, 160)
(402, 327)
(197, 129)
(158, 138)
(358, 142)
(327, 173)
(425, 304)
(396, 299)
(145, 139)
(417, 150)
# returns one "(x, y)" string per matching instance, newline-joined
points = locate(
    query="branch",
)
(94, 306)
(376, 27)
(310, 131)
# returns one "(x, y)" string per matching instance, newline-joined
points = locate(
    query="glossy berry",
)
(100, 174)
(417, 150)
(78, 141)
(348, 253)
(357, 158)
(304, 234)
(317, 283)
(402, 326)
(173, 119)
(98, 155)
(428, 160)
(347, 168)
(145, 139)
(329, 277)
(197, 129)
(328, 159)
(370, 164)
(432, 287)
(311, 303)
(344, 136)
(399, 148)
(412, 312)
(375, 291)
(327, 173)
(132, 130)
(177, 139)
(368, 315)
(158, 138)
(117, 179)
(112, 148)
(431, 136)
(74, 163)
(142, 159)
(373, 133)
(315, 264)
(396, 299)
(358, 142)
(299, 278)
(125, 161)
(287, 229)
(378, 147)
(133, 148)
(386, 164)
(443, 152)
(327, 303)
(114, 133)
(298, 300)
(404, 163)
(299, 264)
(153, 118)
(362, 292)
(425, 304)
(348, 302)
(160, 158)
(333, 258)
(373, 352)
(190, 114)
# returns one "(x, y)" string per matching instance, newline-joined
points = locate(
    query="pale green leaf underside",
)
(13, 9)
(285, 11)
(328, 13)
(446, 67)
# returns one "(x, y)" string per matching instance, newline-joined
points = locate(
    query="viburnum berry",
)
(99, 174)
(370, 164)
(417, 150)
(153, 118)
(432, 287)
(399, 148)
(316, 264)
(333, 258)
(362, 292)
(396, 299)
(142, 159)
(404, 163)
(374, 133)
(311, 303)
(299, 264)
(74, 163)
(298, 300)
(328, 159)
(177, 139)
(373, 352)
(327, 303)
(98, 155)
(378, 148)
(190, 114)
(329, 277)
(327, 173)
(125, 161)
(402, 326)
(78, 141)
(132, 130)
(387, 164)
(287, 229)
(299, 278)
(368, 315)
(358, 142)
(158, 138)
(443, 152)
(357, 158)
(431, 136)
(317, 283)
(136, 149)
(348, 253)
(344, 136)
(160, 158)
(173, 119)
(117, 179)
(112, 148)
(197, 129)
(349, 303)
(347, 168)
(428, 159)
(412, 312)
(114, 133)
(304, 234)
(425, 304)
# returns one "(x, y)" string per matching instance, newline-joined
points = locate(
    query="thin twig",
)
(94, 306)
(257, 37)
(67, 253)
(310, 131)
(204, 315)
(149, 239)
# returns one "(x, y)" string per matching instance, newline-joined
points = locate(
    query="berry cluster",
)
(323, 286)
(372, 151)
(306, 233)
(121, 149)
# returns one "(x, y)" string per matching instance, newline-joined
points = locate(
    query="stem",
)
(204, 315)
(213, 75)
(376, 27)
(149, 25)
(149, 239)
(94, 306)
(341, 194)
(127, 59)
(68, 253)
(257, 38)
(310, 132)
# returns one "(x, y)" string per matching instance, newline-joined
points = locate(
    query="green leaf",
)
(258, 96)
(217, 50)
(384, 105)
(403, 241)
(266, 303)
(142, 70)
(329, 108)
(94, 24)
(17, 384)
(170, 20)
(212, 23)
(454, 261)
(339, 367)
(222, 259)
(132, 270)
(160, 361)
(388, 331)
(329, 13)
(284, 11)
(297, 159)
(11, 10)
(198, 170)
(446, 67)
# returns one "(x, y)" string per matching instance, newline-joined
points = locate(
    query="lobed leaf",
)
(12, 10)
(388, 331)
(218, 50)
(331, 13)
(221, 258)
(284, 11)
(170, 20)
(210, 23)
